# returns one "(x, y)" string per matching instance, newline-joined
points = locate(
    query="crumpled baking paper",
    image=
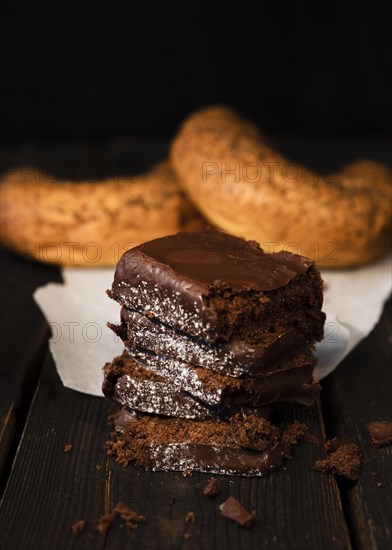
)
(81, 343)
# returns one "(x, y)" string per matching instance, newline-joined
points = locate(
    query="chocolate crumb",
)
(67, 448)
(233, 509)
(380, 432)
(105, 522)
(293, 434)
(190, 517)
(187, 473)
(98, 467)
(342, 459)
(128, 515)
(252, 432)
(187, 536)
(379, 484)
(78, 528)
(209, 488)
(296, 432)
(331, 445)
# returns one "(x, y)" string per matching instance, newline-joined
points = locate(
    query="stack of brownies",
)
(214, 330)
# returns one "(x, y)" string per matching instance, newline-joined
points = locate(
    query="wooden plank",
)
(23, 337)
(359, 391)
(49, 490)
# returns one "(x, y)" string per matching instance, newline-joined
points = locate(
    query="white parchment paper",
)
(79, 309)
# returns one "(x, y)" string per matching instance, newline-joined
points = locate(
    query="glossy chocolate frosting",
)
(197, 260)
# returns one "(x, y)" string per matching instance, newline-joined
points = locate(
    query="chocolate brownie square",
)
(213, 285)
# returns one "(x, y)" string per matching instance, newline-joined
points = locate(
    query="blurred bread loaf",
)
(90, 223)
(246, 188)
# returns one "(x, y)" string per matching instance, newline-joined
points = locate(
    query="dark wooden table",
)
(44, 490)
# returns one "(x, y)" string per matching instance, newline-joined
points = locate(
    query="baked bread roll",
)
(89, 223)
(246, 188)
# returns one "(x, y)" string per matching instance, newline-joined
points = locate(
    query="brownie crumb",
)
(105, 522)
(187, 473)
(293, 434)
(190, 517)
(380, 432)
(233, 509)
(128, 515)
(331, 445)
(98, 467)
(67, 448)
(379, 484)
(342, 459)
(296, 432)
(253, 432)
(209, 488)
(78, 528)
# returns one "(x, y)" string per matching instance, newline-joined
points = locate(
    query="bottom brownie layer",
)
(242, 445)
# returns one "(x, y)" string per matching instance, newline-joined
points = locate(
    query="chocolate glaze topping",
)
(197, 260)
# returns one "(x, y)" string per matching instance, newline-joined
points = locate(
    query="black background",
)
(117, 68)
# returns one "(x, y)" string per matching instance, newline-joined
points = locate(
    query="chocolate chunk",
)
(342, 459)
(380, 432)
(233, 509)
(78, 528)
(213, 284)
(234, 358)
(209, 488)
